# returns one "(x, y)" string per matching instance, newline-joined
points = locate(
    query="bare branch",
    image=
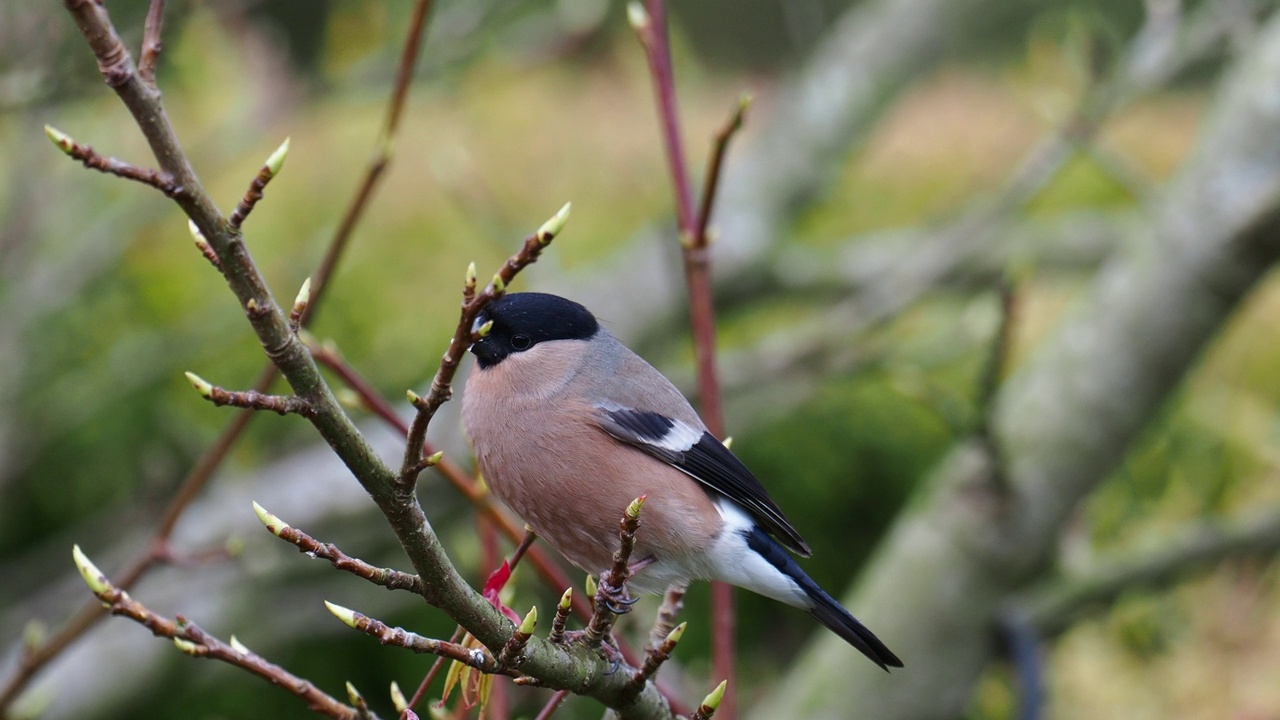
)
(611, 596)
(386, 577)
(91, 159)
(269, 170)
(650, 23)
(399, 637)
(655, 656)
(1060, 603)
(252, 399)
(719, 146)
(192, 640)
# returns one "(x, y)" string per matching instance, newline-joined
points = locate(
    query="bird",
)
(568, 426)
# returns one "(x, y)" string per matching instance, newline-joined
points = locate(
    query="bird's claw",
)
(614, 597)
(619, 606)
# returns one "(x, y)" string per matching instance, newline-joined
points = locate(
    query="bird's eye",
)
(521, 342)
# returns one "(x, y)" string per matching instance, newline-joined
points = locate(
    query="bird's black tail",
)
(841, 622)
(822, 605)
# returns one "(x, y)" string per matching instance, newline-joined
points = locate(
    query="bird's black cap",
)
(522, 320)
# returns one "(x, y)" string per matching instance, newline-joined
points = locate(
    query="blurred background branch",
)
(868, 215)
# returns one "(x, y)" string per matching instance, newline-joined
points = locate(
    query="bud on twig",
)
(276, 161)
(346, 615)
(510, 655)
(357, 700)
(300, 305)
(274, 524)
(202, 386)
(637, 16)
(710, 703)
(187, 647)
(553, 227)
(397, 698)
(562, 617)
(93, 577)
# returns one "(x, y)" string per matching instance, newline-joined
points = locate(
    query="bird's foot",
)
(614, 596)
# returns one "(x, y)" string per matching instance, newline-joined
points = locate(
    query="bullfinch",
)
(569, 426)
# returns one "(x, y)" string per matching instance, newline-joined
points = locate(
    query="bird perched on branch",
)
(569, 426)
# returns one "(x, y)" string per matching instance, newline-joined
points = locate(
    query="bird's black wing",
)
(698, 454)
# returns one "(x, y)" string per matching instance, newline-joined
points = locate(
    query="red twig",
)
(431, 674)
(557, 699)
(652, 30)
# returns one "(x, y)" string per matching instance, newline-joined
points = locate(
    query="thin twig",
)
(386, 577)
(655, 656)
(431, 674)
(665, 621)
(194, 641)
(399, 637)
(561, 619)
(719, 146)
(94, 160)
(269, 170)
(509, 657)
(613, 584)
(379, 161)
(553, 704)
(252, 399)
(151, 45)
(463, 336)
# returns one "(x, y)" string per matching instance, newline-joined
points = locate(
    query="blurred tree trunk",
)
(984, 527)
